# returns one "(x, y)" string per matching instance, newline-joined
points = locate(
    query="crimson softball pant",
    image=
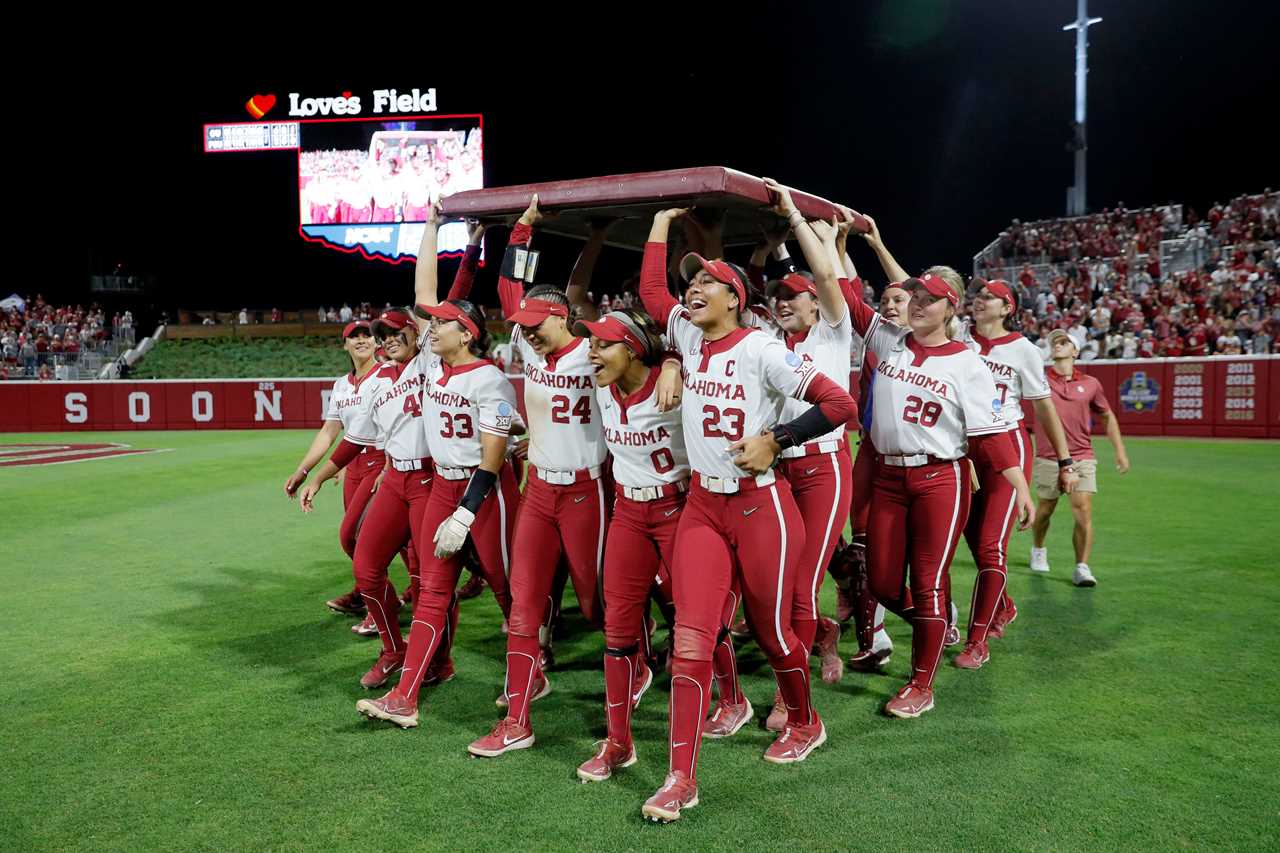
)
(432, 633)
(821, 485)
(991, 520)
(917, 516)
(865, 605)
(756, 536)
(358, 480)
(554, 520)
(638, 548)
(393, 514)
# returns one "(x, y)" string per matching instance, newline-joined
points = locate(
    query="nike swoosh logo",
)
(424, 482)
(747, 512)
(615, 704)
(671, 512)
(387, 669)
(512, 695)
(507, 741)
(371, 464)
(580, 500)
(931, 476)
(677, 745)
(808, 471)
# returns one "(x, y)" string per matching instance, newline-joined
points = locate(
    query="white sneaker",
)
(882, 642)
(1039, 559)
(1082, 576)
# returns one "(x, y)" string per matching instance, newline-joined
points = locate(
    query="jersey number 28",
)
(920, 412)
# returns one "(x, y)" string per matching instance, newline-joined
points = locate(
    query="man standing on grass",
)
(1076, 396)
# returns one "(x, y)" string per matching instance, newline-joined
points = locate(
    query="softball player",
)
(468, 406)
(565, 508)
(346, 416)
(651, 473)
(933, 402)
(739, 518)
(1018, 370)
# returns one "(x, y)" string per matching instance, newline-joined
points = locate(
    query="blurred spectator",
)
(344, 313)
(276, 316)
(321, 316)
(244, 317)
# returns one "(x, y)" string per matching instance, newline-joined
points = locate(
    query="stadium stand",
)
(1158, 282)
(39, 340)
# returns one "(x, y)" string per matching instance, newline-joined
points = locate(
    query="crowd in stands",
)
(39, 339)
(1101, 278)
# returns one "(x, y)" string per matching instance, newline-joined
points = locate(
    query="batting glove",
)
(453, 531)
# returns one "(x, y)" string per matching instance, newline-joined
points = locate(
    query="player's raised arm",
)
(816, 254)
(657, 300)
(580, 278)
(888, 263)
(425, 275)
(842, 244)
(510, 291)
(465, 277)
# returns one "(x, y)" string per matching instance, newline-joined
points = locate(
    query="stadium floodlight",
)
(1076, 192)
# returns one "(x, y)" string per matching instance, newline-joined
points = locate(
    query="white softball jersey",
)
(560, 403)
(347, 405)
(928, 399)
(395, 403)
(828, 348)
(734, 387)
(1017, 368)
(647, 445)
(460, 403)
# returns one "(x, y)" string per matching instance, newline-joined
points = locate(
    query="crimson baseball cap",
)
(448, 311)
(389, 322)
(534, 311)
(791, 284)
(350, 329)
(1001, 289)
(721, 270)
(614, 326)
(935, 286)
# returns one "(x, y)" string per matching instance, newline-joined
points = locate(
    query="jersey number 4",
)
(733, 421)
(920, 412)
(456, 426)
(560, 409)
(412, 407)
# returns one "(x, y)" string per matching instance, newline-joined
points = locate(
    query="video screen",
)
(385, 172)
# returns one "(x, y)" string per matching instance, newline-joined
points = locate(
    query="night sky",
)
(942, 119)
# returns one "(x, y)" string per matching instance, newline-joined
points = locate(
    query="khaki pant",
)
(1045, 477)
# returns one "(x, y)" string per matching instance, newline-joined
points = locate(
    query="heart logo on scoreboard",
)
(260, 105)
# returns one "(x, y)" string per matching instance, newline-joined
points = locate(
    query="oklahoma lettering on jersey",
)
(928, 399)
(560, 402)
(395, 403)
(734, 387)
(459, 403)
(647, 445)
(347, 406)
(1017, 368)
(828, 348)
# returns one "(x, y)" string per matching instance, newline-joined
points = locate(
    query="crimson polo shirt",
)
(1076, 398)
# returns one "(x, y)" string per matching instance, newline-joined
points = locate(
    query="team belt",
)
(446, 473)
(914, 460)
(566, 478)
(815, 448)
(645, 494)
(410, 464)
(733, 485)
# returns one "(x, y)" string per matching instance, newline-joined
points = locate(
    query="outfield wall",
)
(1216, 396)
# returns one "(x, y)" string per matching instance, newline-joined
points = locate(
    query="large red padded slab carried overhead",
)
(633, 199)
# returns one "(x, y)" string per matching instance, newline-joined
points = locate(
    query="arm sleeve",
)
(993, 451)
(657, 300)
(497, 406)
(477, 490)
(510, 292)
(983, 412)
(832, 406)
(344, 453)
(465, 277)
(860, 313)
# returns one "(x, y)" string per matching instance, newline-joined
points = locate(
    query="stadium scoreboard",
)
(244, 136)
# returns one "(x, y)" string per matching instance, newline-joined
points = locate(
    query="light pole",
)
(1076, 192)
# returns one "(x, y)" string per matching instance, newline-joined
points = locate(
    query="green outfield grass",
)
(245, 358)
(172, 679)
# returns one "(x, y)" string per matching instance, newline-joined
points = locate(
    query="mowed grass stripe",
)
(176, 682)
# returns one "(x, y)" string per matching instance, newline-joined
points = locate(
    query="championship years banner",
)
(1228, 397)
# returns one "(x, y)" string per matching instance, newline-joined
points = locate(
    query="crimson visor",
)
(935, 286)
(613, 327)
(534, 311)
(448, 311)
(720, 270)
